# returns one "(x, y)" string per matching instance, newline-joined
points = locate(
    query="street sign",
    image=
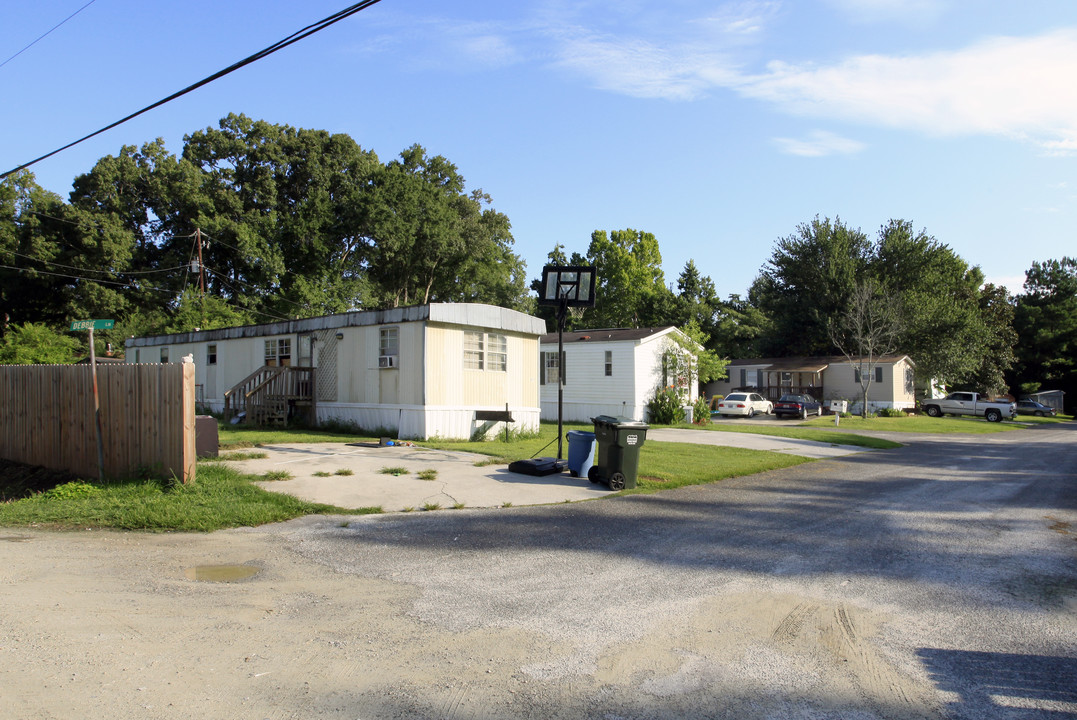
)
(92, 324)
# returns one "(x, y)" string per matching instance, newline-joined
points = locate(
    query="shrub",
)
(891, 412)
(701, 411)
(71, 490)
(665, 407)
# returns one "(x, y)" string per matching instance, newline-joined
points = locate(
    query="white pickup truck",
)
(970, 403)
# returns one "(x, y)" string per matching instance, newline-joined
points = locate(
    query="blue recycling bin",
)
(581, 452)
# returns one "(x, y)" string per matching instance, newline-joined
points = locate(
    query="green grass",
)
(919, 424)
(395, 471)
(815, 432)
(221, 497)
(661, 464)
(669, 465)
(428, 474)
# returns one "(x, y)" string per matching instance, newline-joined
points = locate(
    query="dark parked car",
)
(1031, 407)
(798, 406)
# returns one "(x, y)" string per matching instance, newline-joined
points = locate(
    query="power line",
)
(42, 37)
(279, 45)
(169, 291)
(110, 272)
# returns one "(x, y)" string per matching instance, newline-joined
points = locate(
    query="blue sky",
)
(717, 126)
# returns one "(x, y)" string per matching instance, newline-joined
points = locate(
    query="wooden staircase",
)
(269, 393)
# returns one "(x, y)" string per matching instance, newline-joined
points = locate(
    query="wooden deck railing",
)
(266, 394)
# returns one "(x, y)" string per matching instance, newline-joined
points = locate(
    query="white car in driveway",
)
(745, 404)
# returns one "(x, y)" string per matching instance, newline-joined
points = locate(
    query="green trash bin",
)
(617, 458)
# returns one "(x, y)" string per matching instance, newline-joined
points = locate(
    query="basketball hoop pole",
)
(565, 286)
(562, 314)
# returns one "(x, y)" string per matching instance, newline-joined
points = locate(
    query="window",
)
(164, 355)
(488, 351)
(279, 351)
(609, 363)
(137, 354)
(211, 355)
(878, 374)
(473, 350)
(549, 371)
(910, 381)
(388, 347)
(497, 352)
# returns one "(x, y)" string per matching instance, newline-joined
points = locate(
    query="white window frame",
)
(211, 354)
(388, 347)
(550, 370)
(608, 365)
(474, 350)
(486, 351)
(277, 350)
(497, 352)
(164, 354)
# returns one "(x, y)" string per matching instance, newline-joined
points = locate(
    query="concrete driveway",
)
(354, 475)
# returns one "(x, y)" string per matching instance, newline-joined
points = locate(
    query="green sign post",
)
(90, 326)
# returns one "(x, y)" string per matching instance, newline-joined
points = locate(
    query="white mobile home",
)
(419, 372)
(615, 372)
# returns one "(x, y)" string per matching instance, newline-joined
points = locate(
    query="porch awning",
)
(811, 365)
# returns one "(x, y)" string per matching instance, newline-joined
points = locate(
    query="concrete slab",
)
(457, 479)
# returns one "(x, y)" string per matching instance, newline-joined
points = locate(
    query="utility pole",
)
(201, 275)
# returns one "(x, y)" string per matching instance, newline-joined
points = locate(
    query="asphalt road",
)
(937, 580)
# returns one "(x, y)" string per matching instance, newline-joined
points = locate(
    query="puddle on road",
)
(13, 538)
(221, 573)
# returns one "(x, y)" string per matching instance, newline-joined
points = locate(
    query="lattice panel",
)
(327, 365)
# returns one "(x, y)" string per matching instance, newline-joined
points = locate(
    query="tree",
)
(999, 340)
(953, 332)
(37, 344)
(630, 289)
(431, 240)
(740, 328)
(939, 293)
(61, 261)
(868, 330)
(696, 301)
(1045, 318)
(808, 280)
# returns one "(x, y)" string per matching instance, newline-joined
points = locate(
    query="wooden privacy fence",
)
(147, 418)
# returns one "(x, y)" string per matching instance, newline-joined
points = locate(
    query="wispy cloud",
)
(819, 143)
(642, 69)
(1017, 87)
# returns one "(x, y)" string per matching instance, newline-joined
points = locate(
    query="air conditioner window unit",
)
(387, 361)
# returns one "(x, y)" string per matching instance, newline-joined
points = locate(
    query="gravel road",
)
(938, 580)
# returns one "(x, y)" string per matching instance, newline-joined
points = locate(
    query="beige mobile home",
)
(418, 372)
(824, 378)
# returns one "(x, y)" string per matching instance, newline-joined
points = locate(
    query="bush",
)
(701, 411)
(891, 412)
(665, 407)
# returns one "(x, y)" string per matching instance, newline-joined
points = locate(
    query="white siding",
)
(637, 373)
